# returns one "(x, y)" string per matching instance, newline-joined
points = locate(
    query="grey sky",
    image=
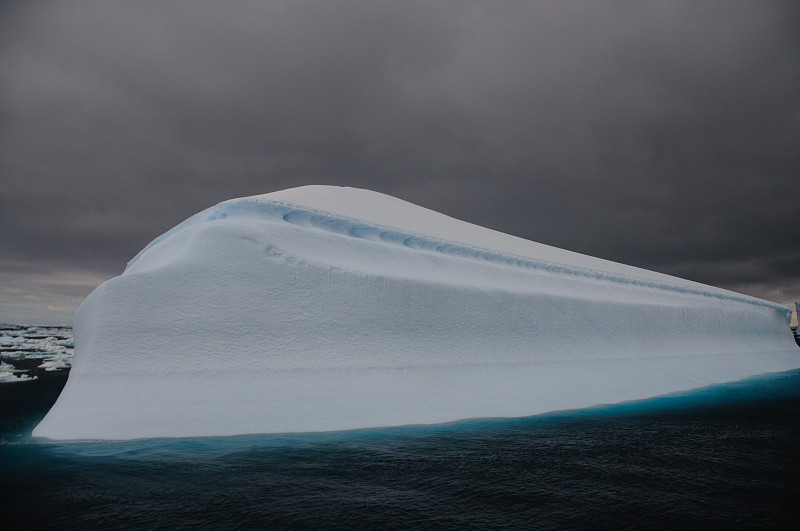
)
(660, 134)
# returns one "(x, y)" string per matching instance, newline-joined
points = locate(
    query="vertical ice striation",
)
(327, 308)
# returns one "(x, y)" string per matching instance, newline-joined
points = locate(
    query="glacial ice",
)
(326, 308)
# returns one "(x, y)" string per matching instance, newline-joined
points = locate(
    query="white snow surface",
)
(326, 308)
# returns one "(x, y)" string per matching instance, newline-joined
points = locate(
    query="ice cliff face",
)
(326, 308)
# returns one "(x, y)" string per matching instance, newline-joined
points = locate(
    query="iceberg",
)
(325, 308)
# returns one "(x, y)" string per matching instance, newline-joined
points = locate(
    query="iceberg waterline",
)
(325, 308)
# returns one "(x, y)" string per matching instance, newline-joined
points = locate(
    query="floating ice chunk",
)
(8, 374)
(327, 308)
(52, 344)
(55, 364)
(7, 340)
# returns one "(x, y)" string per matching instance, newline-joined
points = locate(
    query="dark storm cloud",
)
(662, 134)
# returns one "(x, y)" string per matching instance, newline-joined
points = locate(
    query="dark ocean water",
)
(722, 457)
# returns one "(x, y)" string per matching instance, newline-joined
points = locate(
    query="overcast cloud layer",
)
(661, 134)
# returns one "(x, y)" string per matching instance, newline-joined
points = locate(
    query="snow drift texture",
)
(327, 308)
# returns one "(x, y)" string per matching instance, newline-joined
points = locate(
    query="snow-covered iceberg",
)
(327, 308)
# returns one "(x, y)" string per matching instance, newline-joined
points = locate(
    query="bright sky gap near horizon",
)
(665, 135)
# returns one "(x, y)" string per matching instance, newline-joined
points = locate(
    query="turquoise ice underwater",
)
(725, 455)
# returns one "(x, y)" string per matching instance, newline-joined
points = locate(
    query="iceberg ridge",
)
(338, 224)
